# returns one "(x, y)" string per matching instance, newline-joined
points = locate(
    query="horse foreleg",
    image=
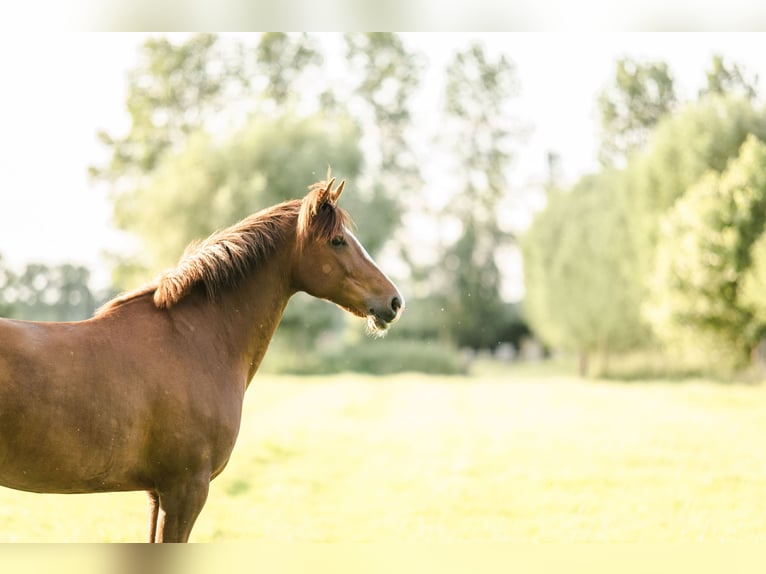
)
(154, 509)
(179, 507)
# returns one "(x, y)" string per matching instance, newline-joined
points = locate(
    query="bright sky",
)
(58, 90)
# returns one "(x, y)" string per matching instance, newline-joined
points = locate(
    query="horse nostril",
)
(396, 304)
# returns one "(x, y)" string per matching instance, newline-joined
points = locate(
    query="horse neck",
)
(245, 317)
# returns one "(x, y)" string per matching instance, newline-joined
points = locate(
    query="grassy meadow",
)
(504, 455)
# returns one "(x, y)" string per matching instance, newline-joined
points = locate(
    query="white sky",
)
(59, 89)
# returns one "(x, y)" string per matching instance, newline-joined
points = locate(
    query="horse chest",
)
(197, 427)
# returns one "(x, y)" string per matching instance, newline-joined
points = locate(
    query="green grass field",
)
(504, 456)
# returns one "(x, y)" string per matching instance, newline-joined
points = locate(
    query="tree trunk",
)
(583, 364)
(756, 354)
(604, 359)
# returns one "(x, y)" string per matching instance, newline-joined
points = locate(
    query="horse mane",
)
(221, 261)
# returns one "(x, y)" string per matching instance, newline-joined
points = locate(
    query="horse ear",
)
(338, 191)
(325, 194)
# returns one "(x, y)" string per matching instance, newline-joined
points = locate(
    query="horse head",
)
(331, 263)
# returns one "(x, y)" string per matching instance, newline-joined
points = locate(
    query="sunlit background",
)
(564, 213)
(117, 150)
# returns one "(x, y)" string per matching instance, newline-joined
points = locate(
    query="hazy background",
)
(557, 462)
(64, 87)
(119, 149)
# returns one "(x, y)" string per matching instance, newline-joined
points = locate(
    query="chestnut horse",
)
(147, 394)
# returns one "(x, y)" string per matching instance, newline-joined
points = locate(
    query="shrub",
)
(381, 357)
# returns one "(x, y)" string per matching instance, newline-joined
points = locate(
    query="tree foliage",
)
(386, 76)
(581, 293)
(185, 168)
(46, 292)
(478, 90)
(642, 94)
(223, 127)
(728, 78)
(753, 285)
(280, 60)
(601, 255)
(173, 90)
(703, 136)
(704, 255)
(209, 185)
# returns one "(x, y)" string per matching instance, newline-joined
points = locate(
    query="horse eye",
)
(338, 240)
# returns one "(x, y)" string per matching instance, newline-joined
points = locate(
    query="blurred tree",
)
(642, 94)
(179, 94)
(206, 164)
(387, 76)
(477, 93)
(580, 291)
(46, 293)
(204, 83)
(590, 255)
(7, 279)
(703, 136)
(209, 184)
(728, 79)
(753, 284)
(703, 255)
(172, 91)
(281, 59)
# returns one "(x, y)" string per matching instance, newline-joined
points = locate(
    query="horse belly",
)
(65, 458)
(48, 454)
(59, 430)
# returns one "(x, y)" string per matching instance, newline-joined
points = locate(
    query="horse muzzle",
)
(381, 316)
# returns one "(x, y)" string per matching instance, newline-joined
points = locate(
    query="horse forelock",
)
(320, 218)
